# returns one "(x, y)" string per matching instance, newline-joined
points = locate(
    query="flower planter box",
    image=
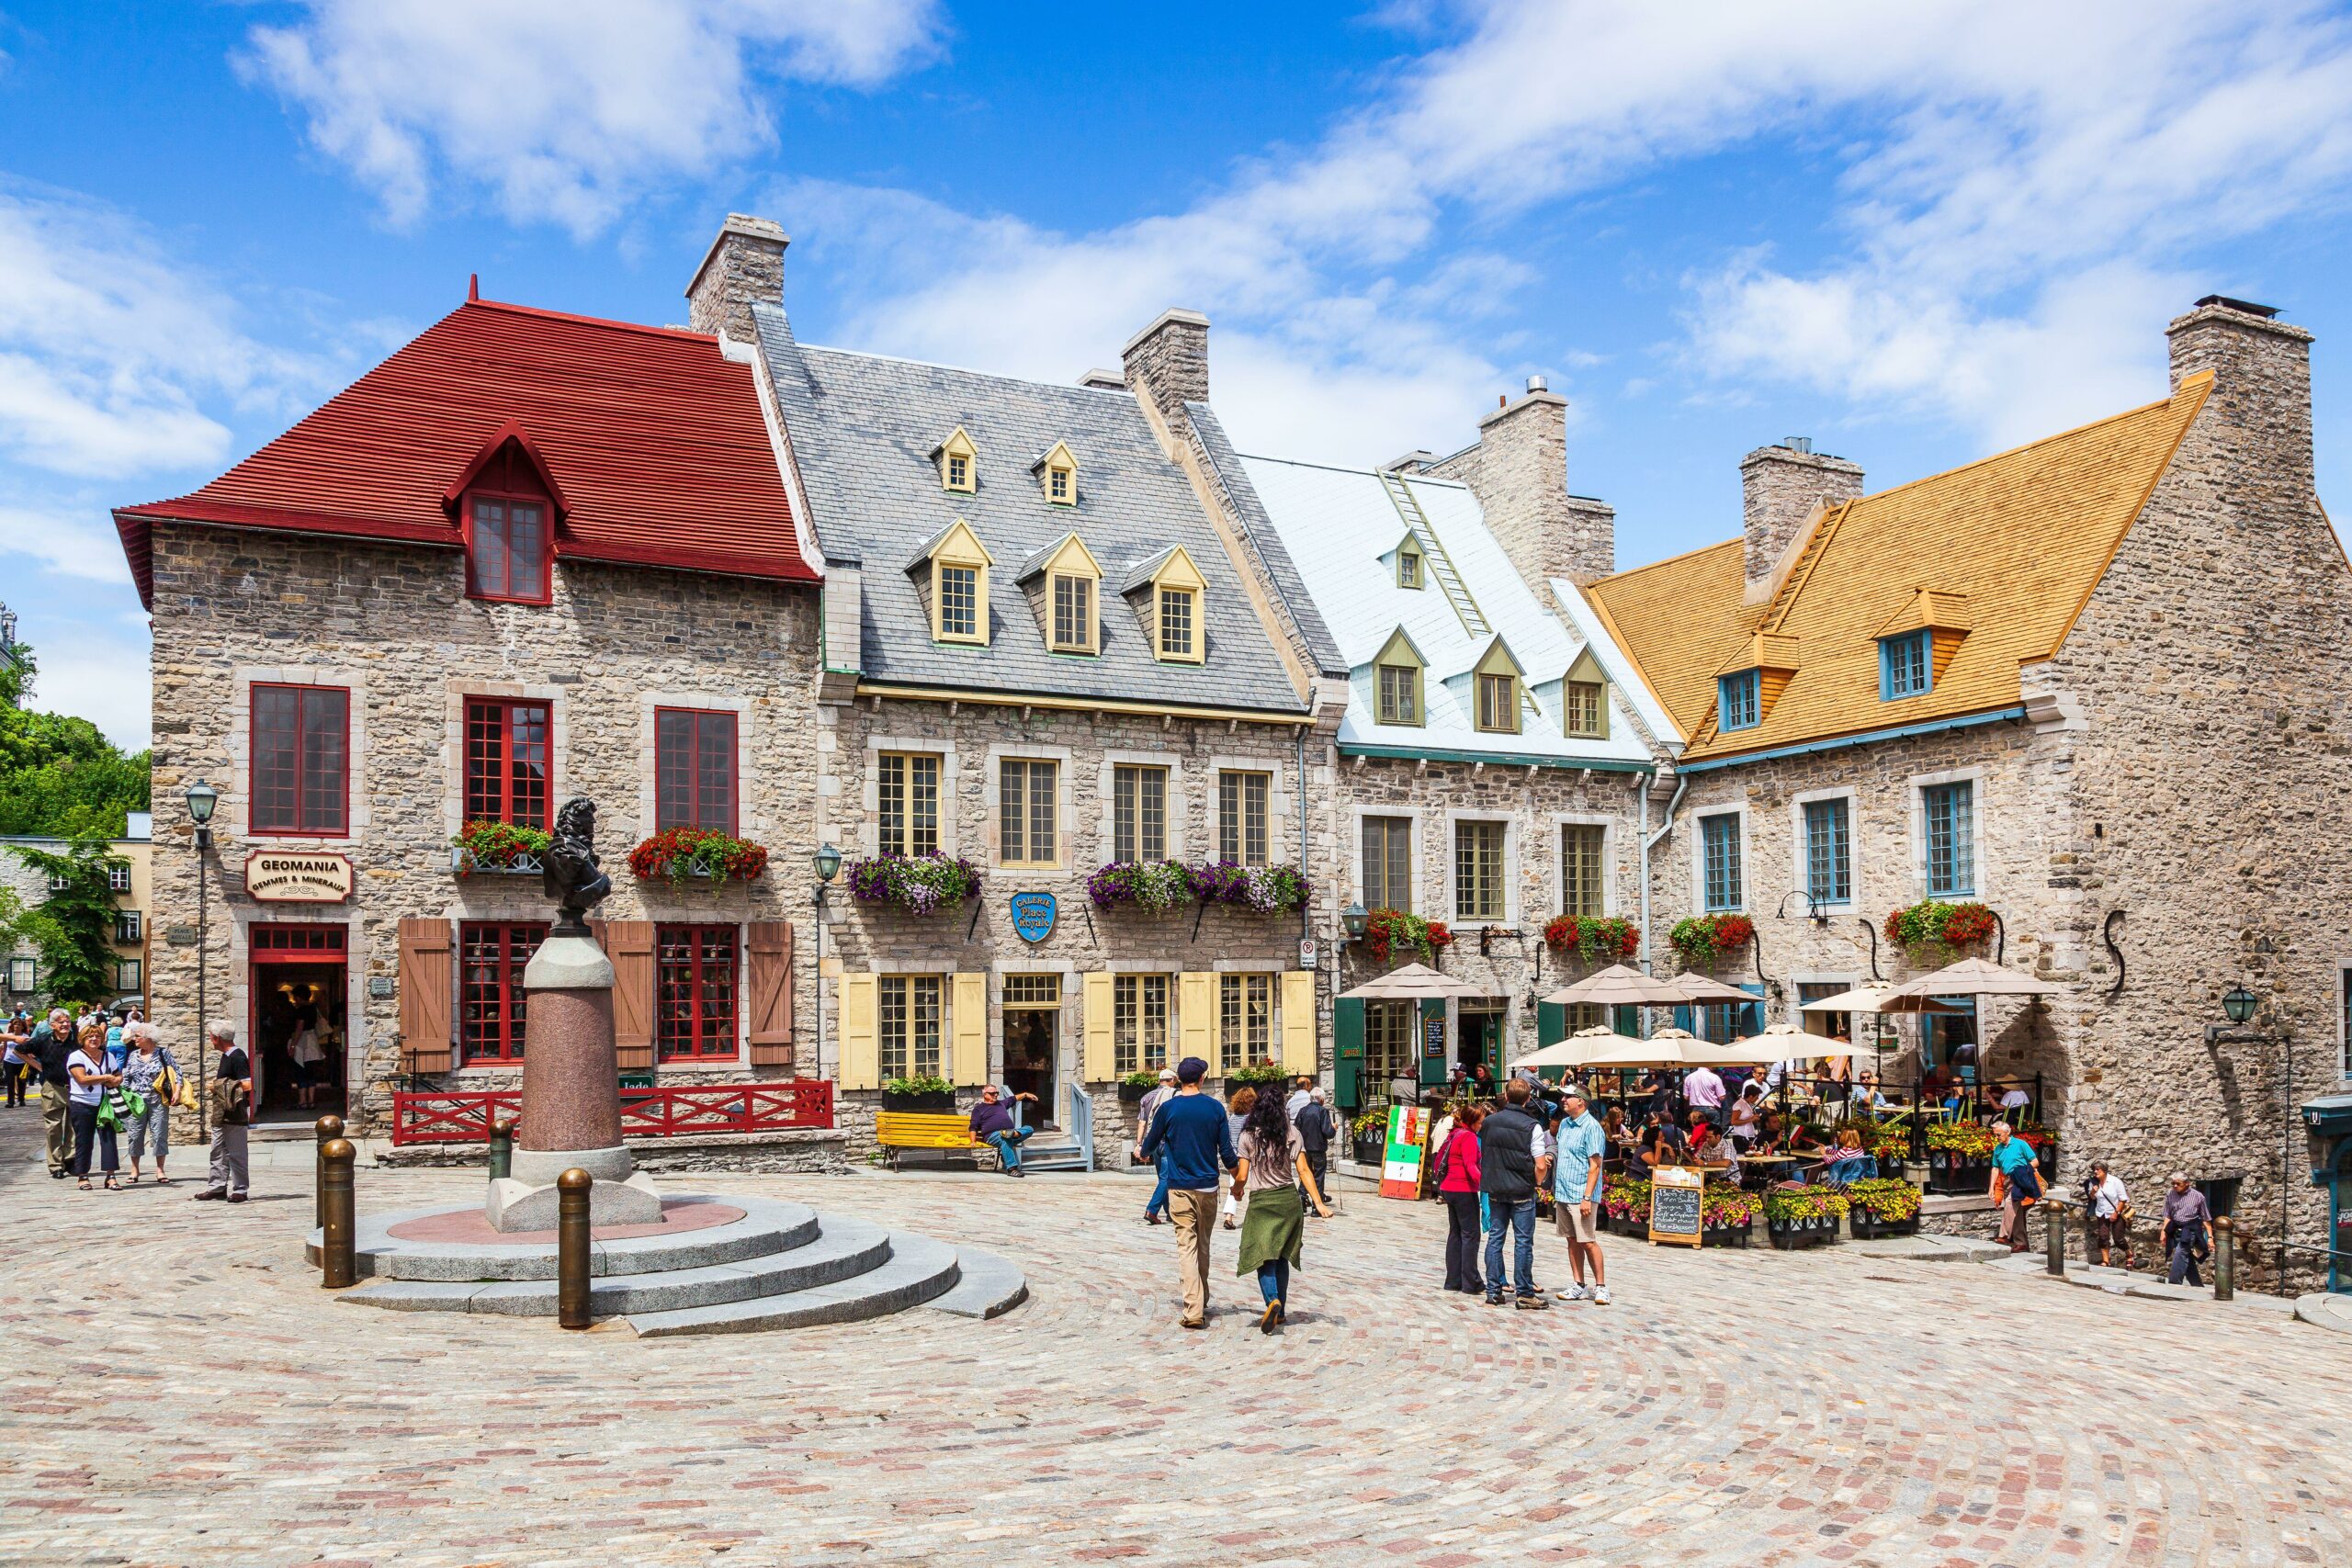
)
(1789, 1235)
(1957, 1174)
(1371, 1149)
(939, 1101)
(1726, 1236)
(1868, 1226)
(462, 863)
(1132, 1093)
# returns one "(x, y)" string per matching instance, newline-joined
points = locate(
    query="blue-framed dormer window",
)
(1736, 704)
(1903, 670)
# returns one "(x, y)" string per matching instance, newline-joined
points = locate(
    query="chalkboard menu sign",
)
(1674, 1205)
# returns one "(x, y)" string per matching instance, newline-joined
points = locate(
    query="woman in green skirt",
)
(1273, 1174)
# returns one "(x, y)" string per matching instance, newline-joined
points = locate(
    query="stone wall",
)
(1519, 472)
(393, 623)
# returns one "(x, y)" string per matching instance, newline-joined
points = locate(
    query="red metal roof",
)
(653, 444)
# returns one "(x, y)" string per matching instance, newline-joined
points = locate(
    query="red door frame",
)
(266, 946)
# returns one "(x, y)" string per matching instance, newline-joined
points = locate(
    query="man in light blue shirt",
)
(1580, 1145)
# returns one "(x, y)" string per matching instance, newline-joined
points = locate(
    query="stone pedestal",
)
(571, 1100)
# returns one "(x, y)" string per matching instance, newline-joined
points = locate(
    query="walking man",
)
(2186, 1219)
(1155, 1210)
(1576, 1196)
(231, 1175)
(1511, 1169)
(1316, 1129)
(991, 1122)
(2021, 1181)
(52, 1042)
(1198, 1141)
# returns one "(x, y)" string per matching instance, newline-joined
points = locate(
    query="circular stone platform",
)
(679, 1216)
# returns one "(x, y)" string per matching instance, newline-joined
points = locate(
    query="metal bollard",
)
(2056, 1234)
(571, 1249)
(338, 1259)
(329, 1129)
(501, 1148)
(2226, 1260)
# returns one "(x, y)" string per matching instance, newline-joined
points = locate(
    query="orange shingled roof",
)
(2025, 534)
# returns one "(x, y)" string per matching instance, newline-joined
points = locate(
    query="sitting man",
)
(992, 1123)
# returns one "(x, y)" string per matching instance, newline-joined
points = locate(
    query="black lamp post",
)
(1357, 919)
(2239, 1004)
(201, 799)
(828, 861)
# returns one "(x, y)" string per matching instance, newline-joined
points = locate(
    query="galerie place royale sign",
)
(297, 876)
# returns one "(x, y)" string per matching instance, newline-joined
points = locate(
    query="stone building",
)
(2094, 684)
(530, 556)
(24, 980)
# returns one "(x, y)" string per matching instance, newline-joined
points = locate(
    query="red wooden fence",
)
(464, 1116)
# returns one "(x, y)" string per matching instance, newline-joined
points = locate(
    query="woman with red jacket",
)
(1457, 1183)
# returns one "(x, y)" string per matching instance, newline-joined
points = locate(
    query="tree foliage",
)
(73, 926)
(60, 778)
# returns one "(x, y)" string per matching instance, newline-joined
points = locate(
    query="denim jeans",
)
(1008, 1145)
(1520, 1217)
(1273, 1280)
(1159, 1203)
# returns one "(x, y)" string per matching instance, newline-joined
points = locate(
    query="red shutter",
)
(424, 981)
(630, 944)
(768, 944)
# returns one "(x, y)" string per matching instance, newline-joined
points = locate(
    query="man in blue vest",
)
(1514, 1160)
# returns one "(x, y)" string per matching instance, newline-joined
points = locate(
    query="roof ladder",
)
(1440, 564)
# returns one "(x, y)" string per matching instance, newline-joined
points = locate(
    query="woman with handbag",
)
(88, 1079)
(151, 1079)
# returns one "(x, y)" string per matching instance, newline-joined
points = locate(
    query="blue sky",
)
(1914, 233)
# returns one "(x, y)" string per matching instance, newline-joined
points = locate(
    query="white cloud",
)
(110, 346)
(564, 108)
(94, 667)
(71, 539)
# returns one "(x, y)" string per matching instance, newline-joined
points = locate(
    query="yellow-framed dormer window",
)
(1073, 612)
(1397, 681)
(1499, 685)
(1175, 608)
(1409, 566)
(957, 565)
(1584, 699)
(1069, 602)
(1056, 474)
(959, 463)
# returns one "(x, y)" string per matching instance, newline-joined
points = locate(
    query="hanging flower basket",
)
(1702, 938)
(1386, 930)
(1153, 886)
(921, 885)
(499, 846)
(683, 854)
(1266, 889)
(1933, 923)
(1594, 937)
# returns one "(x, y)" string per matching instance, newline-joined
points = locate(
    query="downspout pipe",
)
(1650, 841)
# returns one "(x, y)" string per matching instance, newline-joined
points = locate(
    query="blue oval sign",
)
(1032, 915)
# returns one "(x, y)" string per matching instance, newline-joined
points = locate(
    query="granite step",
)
(986, 1286)
(920, 1270)
(842, 1250)
(768, 1228)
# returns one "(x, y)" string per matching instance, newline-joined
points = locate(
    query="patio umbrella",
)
(1411, 983)
(1969, 978)
(1620, 985)
(1703, 988)
(1873, 999)
(1594, 1047)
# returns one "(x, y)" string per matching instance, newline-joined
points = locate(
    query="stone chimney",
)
(743, 266)
(1519, 471)
(1168, 363)
(2262, 385)
(1780, 487)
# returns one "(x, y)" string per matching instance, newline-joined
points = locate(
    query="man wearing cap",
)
(2186, 1219)
(1191, 1126)
(1155, 1210)
(992, 1123)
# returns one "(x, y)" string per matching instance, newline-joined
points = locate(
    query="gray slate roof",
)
(1262, 533)
(862, 429)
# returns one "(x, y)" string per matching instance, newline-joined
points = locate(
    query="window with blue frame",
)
(1828, 852)
(1719, 852)
(1736, 705)
(1903, 670)
(1951, 839)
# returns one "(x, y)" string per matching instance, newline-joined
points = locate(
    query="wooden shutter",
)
(630, 944)
(1100, 1068)
(1347, 1052)
(1551, 1023)
(861, 1058)
(1298, 1022)
(1433, 1068)
(1196, 1011)
(768, 974)
(968, 1015)
(427, 987)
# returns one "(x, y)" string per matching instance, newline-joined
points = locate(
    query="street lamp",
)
(201, 799)
(828, 861)
(1358, 919)
(829, 864)
(2239, 1005)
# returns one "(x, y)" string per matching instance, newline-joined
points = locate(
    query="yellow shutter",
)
(861, 1062)
(969, 1013)
(1099, 1067)
(1298, 1021)
(1196, 1011)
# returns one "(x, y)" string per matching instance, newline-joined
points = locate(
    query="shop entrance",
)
(1478, 1037)
(1033, 1008)
(295, 1030)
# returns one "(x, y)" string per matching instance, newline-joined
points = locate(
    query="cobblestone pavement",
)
(181, 1392)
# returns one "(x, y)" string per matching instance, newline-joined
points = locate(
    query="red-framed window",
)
(694, 1013)
(506, 549)
(301, 761)
(506, 762)
(295, 941)
(694, 769)
(491, 1005)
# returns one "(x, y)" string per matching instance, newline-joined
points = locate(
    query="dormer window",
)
(1178, 624)
(506, 549)
(959, 604)
(1903, 670)
(1408, 566)
(1584, 700)
(1060, 581)
(1736, 704)
(958, 461)
(1168, 592)
(1397, 681)
(1500, 684)
(1056, 473)
(952, 573)
(1073, 614)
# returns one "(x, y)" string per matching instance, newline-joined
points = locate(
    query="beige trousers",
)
(1196, 1217)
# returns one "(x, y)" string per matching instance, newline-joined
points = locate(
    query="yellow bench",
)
(945, 1131)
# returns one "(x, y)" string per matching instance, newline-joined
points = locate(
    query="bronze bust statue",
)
(572, 877)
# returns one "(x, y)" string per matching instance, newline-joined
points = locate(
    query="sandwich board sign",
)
(1400, 1165)
(1674, 1205)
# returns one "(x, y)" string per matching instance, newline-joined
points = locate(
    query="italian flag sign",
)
(1401, 1166)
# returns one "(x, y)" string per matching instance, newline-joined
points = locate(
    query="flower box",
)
(1932, 923)
(921, 885)
(1726, 1236)
(1386, 930)
(463, 861)
(1262, 889)
(1790, 1235)
(1593, 937)
(1957, 1175)
(1370, 1148)
(498, 849)
(1132, 1093)
(1153, 886)
(1702, 939)
(935, 1096)
(683, 855)
(1867, 1226)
